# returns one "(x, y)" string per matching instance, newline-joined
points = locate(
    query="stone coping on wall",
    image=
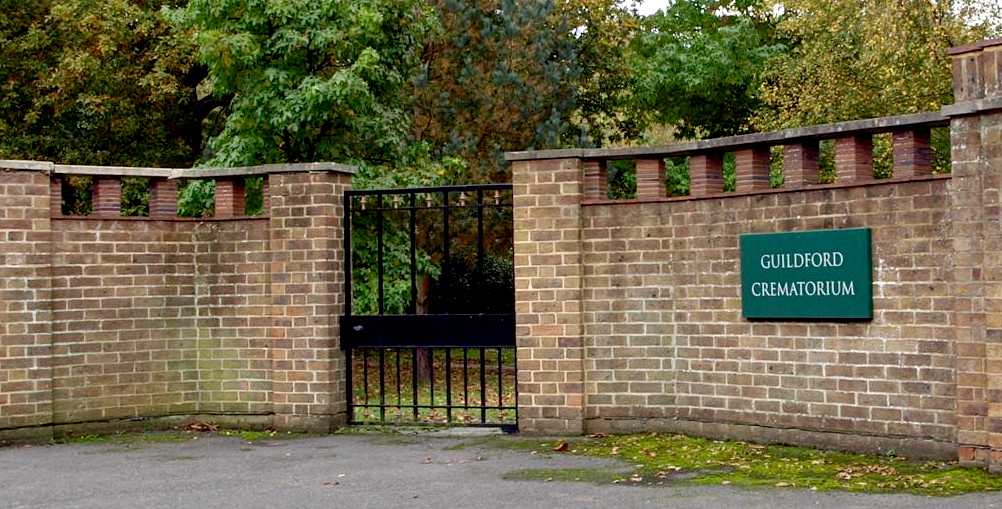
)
(207, 219)
(779, 190)
(987, 43)
(175, 173)
(785, 136)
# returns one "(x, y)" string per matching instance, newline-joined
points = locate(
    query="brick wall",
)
(640, 300)
(664, 337)
(123, 323)
(652, 293)
(106, 317)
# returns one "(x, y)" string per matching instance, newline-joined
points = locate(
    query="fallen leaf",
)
(562, 447)
(783, 485)
(200, 427)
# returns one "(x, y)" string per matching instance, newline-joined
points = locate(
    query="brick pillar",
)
(107, 196)
(752, 168)
(230, 197)
(25, 301)
(800, 164)
(651, 179)
(854, 158)
(163, 198)
(596, 180)
(706, 174)
(549, 336)
(976, 135)
(912, 153)
(307, 297)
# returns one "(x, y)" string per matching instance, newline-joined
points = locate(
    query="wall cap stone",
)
(726, 144)
(9, 164)
(174, 173)
(264, 169)
(973, 107)
(976, 46)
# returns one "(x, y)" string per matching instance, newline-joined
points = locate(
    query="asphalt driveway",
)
(357, 471)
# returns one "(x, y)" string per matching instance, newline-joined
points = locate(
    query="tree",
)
(863, 58)
(98, 82)
(309, 80)
(698, 64)
(604, 111)
(500, 76)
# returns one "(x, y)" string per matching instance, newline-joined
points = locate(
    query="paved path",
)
(352, 471)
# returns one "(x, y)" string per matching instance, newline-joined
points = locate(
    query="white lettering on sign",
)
(803, 289)
(802, 260)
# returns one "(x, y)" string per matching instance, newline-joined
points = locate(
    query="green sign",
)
(823, 274)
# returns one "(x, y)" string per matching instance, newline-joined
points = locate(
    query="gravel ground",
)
(356, 471)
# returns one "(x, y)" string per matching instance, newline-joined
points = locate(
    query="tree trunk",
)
(422, 371)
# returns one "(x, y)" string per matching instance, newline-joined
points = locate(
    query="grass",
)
(656, 459)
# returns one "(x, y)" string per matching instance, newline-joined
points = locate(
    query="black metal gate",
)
(429, 326)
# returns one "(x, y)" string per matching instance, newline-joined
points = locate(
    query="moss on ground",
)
(253, 436)
(138, 439)
(591, 475)
(125, 438)
(655, 459)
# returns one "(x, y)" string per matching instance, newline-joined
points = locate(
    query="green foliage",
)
(309, 80)
(883, 155)
(415, 168)
(396, 265)
(254, 191)
(862, 58)
(942, 160)
(97, 82)
(730, 177)
(604, 111)
(622, 179)
(196, 198)
(698, 65)
(135, 196)
(677, 172)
